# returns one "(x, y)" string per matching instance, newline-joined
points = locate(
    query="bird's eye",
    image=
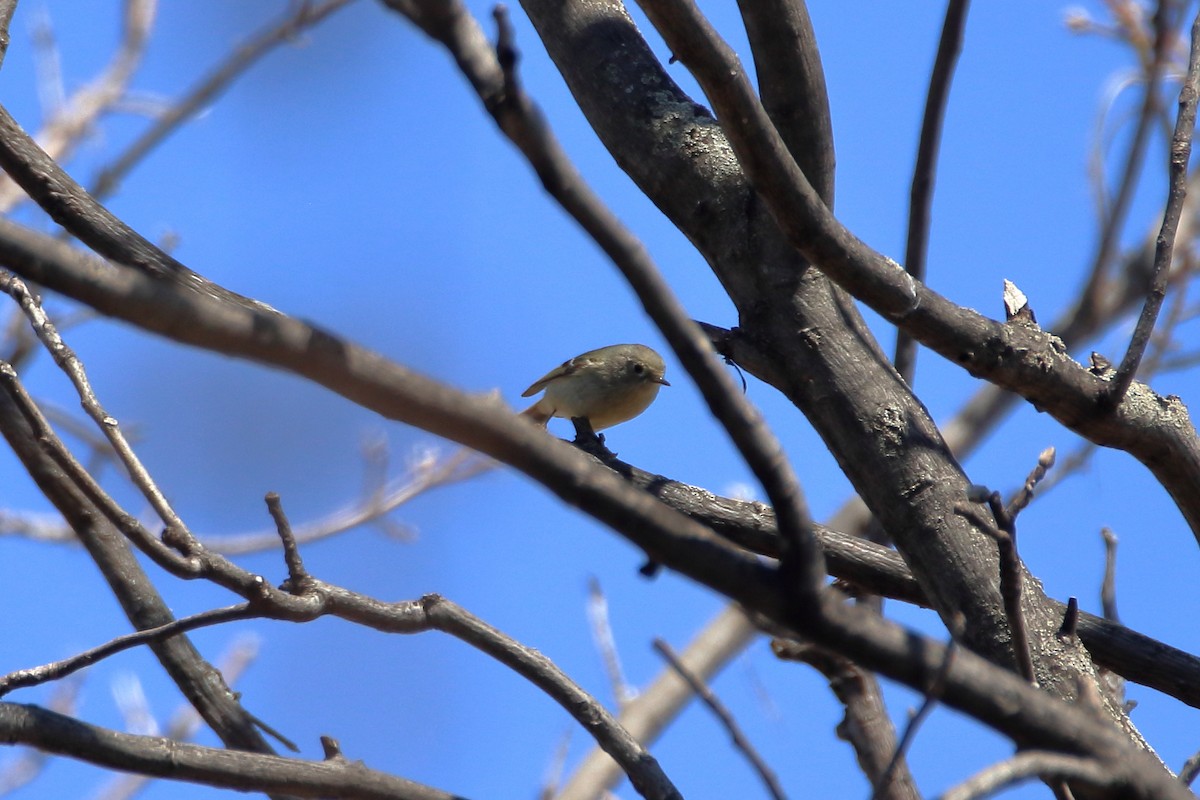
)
(639, 368)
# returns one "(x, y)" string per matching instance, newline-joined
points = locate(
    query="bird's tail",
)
(538, 414)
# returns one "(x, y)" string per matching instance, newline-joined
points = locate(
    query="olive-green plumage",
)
(608, 386)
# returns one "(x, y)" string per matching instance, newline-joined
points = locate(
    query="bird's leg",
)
(587, 439)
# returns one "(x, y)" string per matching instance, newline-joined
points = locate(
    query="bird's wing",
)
(561, 371)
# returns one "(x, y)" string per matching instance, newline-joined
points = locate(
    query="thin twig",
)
(920, 199)
(305, 15)
(1191, 768)
(1075, 461)
(769, 778)
(1004, 533)
(72, 118)
(428, 471)
(1025, 495)
(1181, 151)
(70, 364)
(55, 670)
(1108, 586)
(297, 574)
(184, 722)
(1069, 629)
(606, 643)
(643, 770)
(932, 694)
(1113, 220)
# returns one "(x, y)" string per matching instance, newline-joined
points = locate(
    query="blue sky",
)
(354, 180)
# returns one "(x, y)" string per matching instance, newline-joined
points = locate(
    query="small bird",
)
(607, 386)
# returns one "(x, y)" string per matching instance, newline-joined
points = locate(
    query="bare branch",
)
(72, 119)
(1004, 534)
(643, 771)
(769, 778)
(1030, 765)
(1023, 497)
(1051, 380)
(297, 574)
(299, 18)
(920, 200)
(866, 724)
(1181, 151)
(185, 721)
(606, 644)
(427, 471)
(67, 361)
(932, 693)
(232, 769)
(517, 117)
(1108, 587)
(24, 678)
(7, 7)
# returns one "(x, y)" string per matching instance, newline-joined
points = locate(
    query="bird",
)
(606, 386)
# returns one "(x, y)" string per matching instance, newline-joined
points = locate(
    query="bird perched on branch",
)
(606, 386)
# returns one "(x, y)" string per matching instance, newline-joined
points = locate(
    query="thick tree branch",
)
(524, 126)
(691, 550)
(791, 81)
(881, 570)
(1027, 766)
(196, 678)
(826, 361)
(418, 400)
(166, 758)
(1021, 358)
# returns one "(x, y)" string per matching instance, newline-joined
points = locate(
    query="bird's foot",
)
(588, 440)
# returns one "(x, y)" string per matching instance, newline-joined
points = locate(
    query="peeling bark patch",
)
(891, 429)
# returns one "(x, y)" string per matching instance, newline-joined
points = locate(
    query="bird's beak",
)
(663, 381)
